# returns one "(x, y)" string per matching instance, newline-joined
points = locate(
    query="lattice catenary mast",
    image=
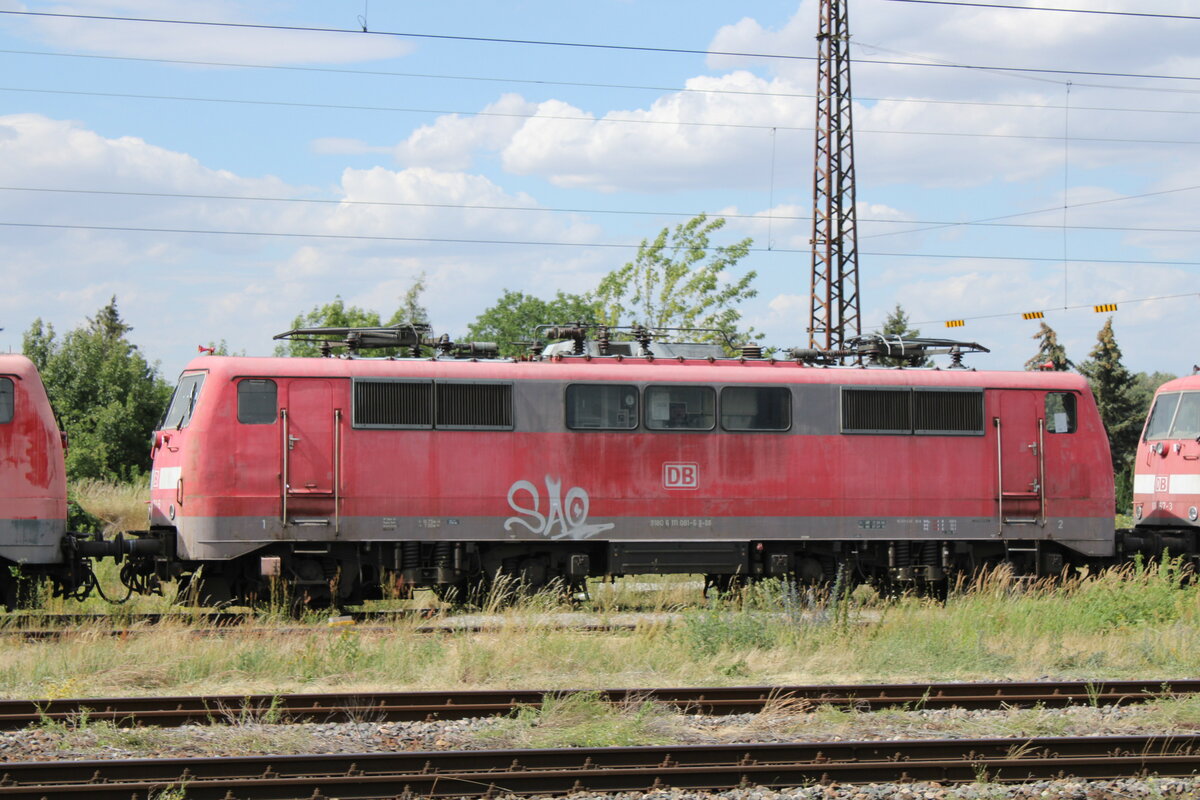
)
(835, 313)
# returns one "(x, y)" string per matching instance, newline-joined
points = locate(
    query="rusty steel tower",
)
(835, 313)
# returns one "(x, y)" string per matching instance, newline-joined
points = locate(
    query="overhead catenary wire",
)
(548, 243)
(933, 225)
(1045, 311)
(623, 86)
(592, 45)
(594, 120)
(1010, 7)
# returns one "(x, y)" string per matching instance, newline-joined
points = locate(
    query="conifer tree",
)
(1113, 387)
(1049, 351)
(896, 325)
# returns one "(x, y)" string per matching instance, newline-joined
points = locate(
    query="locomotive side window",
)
(1159, 424)
(680, 408)
(948, 412)
(602, 407)
(6, 400)
(1060, 412)
(183, 402)
(756, 408)
(393, 404)
(876, 410)
(473, 405)
(257, 401)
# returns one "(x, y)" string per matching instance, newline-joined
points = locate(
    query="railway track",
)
(427, 621)
(417, 706)
(561, 771)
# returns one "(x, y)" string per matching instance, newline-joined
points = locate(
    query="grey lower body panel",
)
(222, 538)
(32, 541)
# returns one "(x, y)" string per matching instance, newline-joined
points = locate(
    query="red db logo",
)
(1161, 484)
(681, 476)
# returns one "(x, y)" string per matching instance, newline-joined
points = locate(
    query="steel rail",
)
(418, 706)
(560, 771)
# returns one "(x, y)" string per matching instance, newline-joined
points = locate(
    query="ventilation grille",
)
(877, 410)
(947, 412)
(474, 405)
(391, 404)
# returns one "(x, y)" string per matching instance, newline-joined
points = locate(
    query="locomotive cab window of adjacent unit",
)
(1187, 417)
(680, 408)
(599, 407)
(6, 400)
(1060, 412)
(183, 402)
(1158, 426)
(257, 401)
(756, 408)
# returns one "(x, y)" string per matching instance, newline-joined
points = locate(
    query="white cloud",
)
(452, 141)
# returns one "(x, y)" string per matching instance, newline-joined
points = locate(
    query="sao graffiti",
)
(564, 517)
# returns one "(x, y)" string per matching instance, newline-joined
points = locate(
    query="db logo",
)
(1161, 483)
(681, 476)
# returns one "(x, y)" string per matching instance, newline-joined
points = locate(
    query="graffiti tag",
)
(565, 517)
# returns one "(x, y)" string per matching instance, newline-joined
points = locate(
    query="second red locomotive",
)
(348, 477)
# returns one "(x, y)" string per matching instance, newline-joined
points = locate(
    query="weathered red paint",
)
(33, 488)
(230, 470)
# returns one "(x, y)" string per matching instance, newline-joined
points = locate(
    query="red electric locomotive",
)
(345, 477)
(33, 483)
(1166, 483)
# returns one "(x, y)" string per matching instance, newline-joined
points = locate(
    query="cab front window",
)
(183, 402)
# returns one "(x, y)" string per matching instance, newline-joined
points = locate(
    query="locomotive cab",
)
(1166, 483)
(33, 484)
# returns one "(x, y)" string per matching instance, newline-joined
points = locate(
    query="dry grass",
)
(121, 506)
(1135, 624)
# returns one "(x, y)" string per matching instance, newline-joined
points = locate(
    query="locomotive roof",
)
(18, 365)
(628, 369)
(1186, 383)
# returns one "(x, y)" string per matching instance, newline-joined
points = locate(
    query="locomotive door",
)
(1020, 490)
(309, 439)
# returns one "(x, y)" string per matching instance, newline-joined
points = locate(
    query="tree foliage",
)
(679, 281)
(1112, 386)
(336, 314)
(512, 320)
(1049, 351)
(108, 397)
(897, 325)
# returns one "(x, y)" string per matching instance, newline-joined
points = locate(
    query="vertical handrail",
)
(999, 478)
(283, 476)
(1042, 466)
(337, 471)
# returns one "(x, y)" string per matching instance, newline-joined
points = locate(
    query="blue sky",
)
(584, 136)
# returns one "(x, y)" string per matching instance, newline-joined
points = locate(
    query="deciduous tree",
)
(679, 281)
(336, 314)
(108, 397)
(512, 320)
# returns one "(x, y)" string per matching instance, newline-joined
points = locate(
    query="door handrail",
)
(283, 476)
